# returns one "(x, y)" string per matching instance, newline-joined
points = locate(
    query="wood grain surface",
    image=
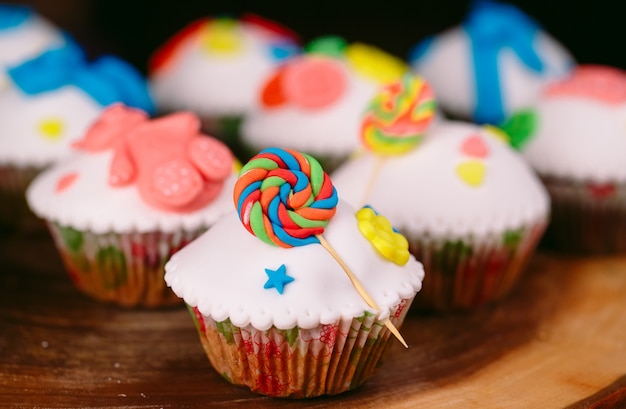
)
(559, 341)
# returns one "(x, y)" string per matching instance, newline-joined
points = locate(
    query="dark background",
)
(594, 31)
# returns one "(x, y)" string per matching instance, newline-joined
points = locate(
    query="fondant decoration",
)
(66, 181)
(174, 167)
(107, 80)
(373, 63)
(398, 116)
(51, 129)
(600, 83)
(12, 16)
(471, 172)
(520, 127)
(492, 28)
(387, 242)
(277, 279)
(313, 83)
(285, 198)
(474, 146)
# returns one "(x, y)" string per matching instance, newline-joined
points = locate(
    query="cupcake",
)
(23, 35)
(493, 63)
(50, 101)
(321, 94)
(214, 67)
(135, 191)
(274, 309)
(573, 136)
(470, 206)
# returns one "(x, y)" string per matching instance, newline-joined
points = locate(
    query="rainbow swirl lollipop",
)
(397, 117)
(284, 197)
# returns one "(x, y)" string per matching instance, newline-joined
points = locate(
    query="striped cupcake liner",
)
(586, 218)
(298, 363)
(124, 269)
(471, 272)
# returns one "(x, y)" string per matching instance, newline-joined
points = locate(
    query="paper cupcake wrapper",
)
(586, 218)
(13, 207)
(125, 269)
(471, 272)
(298, 363)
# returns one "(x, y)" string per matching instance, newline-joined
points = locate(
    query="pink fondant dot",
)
(66, 181)
(313, 82)
(475, 147)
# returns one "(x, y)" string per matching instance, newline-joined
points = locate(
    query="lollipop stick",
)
(359, 287)
(370, 184)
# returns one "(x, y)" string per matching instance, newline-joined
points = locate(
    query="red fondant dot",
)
(66, 181)
(272, 94)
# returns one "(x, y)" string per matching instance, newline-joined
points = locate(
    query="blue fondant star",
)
(277, 278)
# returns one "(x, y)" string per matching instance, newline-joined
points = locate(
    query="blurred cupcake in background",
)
(49, 102)
(24, 34)
(214, 67)
(470, 206)
(314, 102)
(494, 62)
(135, 191)
(574, 136)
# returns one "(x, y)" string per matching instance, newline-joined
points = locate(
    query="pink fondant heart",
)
(475, 147)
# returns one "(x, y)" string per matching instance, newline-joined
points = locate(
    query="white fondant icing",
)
(27, 40)
(215, 85)
(420, 192)
(21, 141)
(223, 273)
(90, 203)
(579, 138)
(447, 65)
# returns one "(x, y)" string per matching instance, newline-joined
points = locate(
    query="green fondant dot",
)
(72, 238)
(520, 128)
(112, 266)
(332, 46)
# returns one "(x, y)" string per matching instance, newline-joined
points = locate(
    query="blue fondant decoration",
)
(420, 49)
(491, 27)
(107, 80)
(282, 50)
(12, 16)
(277, 278)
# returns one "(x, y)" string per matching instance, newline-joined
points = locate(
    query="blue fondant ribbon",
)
(107, 80)
(12, 16)
(492, 27)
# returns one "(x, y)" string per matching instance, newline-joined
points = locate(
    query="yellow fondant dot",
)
(497, 133)
(51, 129)
(471, 172)
(374, 63)
(222, 37)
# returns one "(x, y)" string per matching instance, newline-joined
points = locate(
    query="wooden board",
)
(558, 341)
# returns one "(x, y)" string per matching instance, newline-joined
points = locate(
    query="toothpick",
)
(370, 184)
(359, 287)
